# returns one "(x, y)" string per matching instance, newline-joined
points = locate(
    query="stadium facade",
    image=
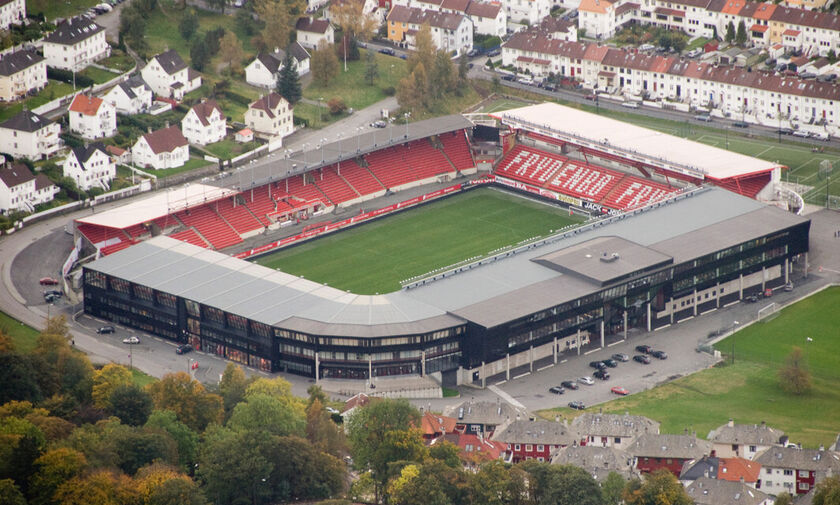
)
(651, 267)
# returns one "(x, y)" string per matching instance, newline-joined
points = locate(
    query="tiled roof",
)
(490, 413)
(312, 25)
(26, 121)
(746, 434)
(42, 181)
(431, 424)
(472, 446)
(116, 151)
(455, 5)
(86, 104)
(597, 6)
(13, 63)
(799, 459)
(670, 446)
(268, 103)
(446, 21)
(170, 61)
(484, 9)
(84, 153)
(791, 33)
(15, 174)
(536, 432)
(709, 491)
(614, 425)
(598, 461)
(73, 31)
(165, 140)
(359, 400)
(205, 109)
(735, 469)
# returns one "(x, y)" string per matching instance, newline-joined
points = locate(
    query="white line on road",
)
(616, 343)
(731, 303)
(500, 383)
(543, 368)
(590, 352)
(662, 327)
(686, 319)
(563, 361)
(506, 397)
(521, 375)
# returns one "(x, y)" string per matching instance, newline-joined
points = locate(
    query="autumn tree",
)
(443, 76)
(185, 438)
(21, 444)
(350, 17)
(53, 468)
(263, 412)
(231, 52)
(828, 491)
(658, 488)
(188, 399)
(10, 494)
(411, 91)
(424, 50)
(794, 376)
(101, 487)
(497, 483)
(371, 67)
(106, 380)
(59, 368)
(232, 386)
(784, 498)
(323, 64)
(130, 404)
(278, 17)
(322, 432)
(234, 466)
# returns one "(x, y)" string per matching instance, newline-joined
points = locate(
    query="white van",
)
(630, 105)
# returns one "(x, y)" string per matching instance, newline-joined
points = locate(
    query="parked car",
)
(183, 349)
(818, 135)
(379, 124)
(102, 330)
(597, 365)
(659, 354)
(620, 356)
(494, 52)
(619, 391)
(569, 384)
(784, 131)
(641, 358)
(630, 105)
(55, 292)
(508, 77)
(131, 340)
(589, 97)
(601, 374)
(50, 298)
(751, 299)
(577, 405)
(800, 133)
(703, 117)
(48, 281)
(611, 363)
(558, 390)
(586, 380)
(740, 124)
(788, 287)
(644, 349)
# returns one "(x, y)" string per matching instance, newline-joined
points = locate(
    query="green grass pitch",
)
(375, 257)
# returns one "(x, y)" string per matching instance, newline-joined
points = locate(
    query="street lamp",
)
(406, 115)
(320, 117)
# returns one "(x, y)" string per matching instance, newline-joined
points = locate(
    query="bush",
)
(300, 120)
(336, 105)
(389, 91)
(58, 74)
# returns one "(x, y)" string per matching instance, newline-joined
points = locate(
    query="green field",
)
(748, 390)
(375, 257)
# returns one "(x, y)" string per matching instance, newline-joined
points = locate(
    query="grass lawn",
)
(59, 8)
(98, 75)
(118, 61)
(375, 257)
(192, 164)
(228, 148)
(748, 390)
(352, 87)
(53, 90)
(697, 43)
(502, 104)
(23, 336)
(309, 112)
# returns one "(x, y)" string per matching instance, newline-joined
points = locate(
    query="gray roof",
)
(708, 491)
(26, 121)
(490, 413)
(15, 174)
(73, 31)
(84, 153)
(670, 446)
(613, 425)
(598, 461)
(274, 60)
(746, 434)
(704, 467)
(13, 63)
(170, 61)
(132, 83)
(525, 431)
(795, 458)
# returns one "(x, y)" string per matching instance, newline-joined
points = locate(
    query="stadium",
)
(675, 229)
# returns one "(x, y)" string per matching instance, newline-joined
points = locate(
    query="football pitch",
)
(374, 257)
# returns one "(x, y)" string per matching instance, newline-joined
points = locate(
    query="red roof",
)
(759, 28)
(84, 104)
(435, 425)
(791, 33)
(116, 151)
(360, 400)
(669, 12)
(205, 109)
(475, 448)
(733, 469)
(165, 140)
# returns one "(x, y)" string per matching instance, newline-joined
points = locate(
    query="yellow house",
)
(398, 25)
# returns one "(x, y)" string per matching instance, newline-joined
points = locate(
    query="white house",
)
(12, 12)
(526, 12)
(21, 72)
(795, 470)
(265, 69)
(311, 31)
(132, 96)
(204, 123)
(744, 440)
(92, 117)
(75, 44)
(169, 76)
(450, 31)
(90, 166)
(29, 135)
(161, 149)
(271, 115)
(488, 18)
(20, 190)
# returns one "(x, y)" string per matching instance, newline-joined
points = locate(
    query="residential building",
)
(369, 9)
(20, 190)
(526, 12)
(75, 44)
(118, 154)
(21, 73)
(271, 116)
(352, 404)
(525, 439)
(612, 430)
(132, 96)
(92, 117)
(311, 32)
(434, 426)
(474, 450)
(557, 29)
(744, 440)
(709, 491)
(740, 470)
(244, 135)
(204, 123)
(597, 461)
(90, 166)
(264, 71)
(161, 149)
(30, 135)
(169, 77)
(12, 12)
(488, 18)
(484, 418)
(795, 470)
(693, 469)
(450, 31)
(653, 452)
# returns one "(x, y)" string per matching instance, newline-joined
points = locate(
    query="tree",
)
(784, 498)
(102, 487)
(177, 492)
(130, 404)
(234, 466)
(794, 375)
(59, 368)
(199, 55)
(262, 412)
(447, 453)
(371, 67)
(741, 35)
(279, 17)
(350, 17)
(463, 70)
(231, 52)
(411, 91)
(658, 488)
(53, 468)
(336, 105)
(106, 380)
(322, 432)
(194, 406)
(730, 32)
(443, 76)
(828, 492)
(315, 392)
(185, 438)
(410, 488)
(497, 483)
(188, 25)
(10, 494)
(324, 64)
(306, 472)
(19, 378)
(219, 5)
(138, 447)
(562, 484)
(288, 84)
(21, 443)
(612, 487)
(424, 50)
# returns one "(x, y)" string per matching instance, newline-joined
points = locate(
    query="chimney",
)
(150, 129)
(742, 479)
(731, 423)
(556, 419)
(763, 424)
(167, 124)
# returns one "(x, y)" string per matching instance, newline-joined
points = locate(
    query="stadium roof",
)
(510, 288)
(635, 142)
(157, 205)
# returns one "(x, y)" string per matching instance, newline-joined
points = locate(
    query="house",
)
(244, 135)
(161, 149)
(525, 439)
(651, 452)
(204, 123)
(612, 430)
(525, 12)
(557, 29)
(795, 470)
(12, 12)
(92, 117)
(264, 71)
(709, 491)
(484, 418)
(132, 96)
(597, 461)
(451, 32)
(474, 449)
(90, 166)
(311, 32)
(434, 426)
(118, 154)
(75, 44)
(355, 402)
(271, 115)
(740, 470)
(488, 18)
(20, 190)
(169, 77)
(744, 440)
(29, 135)
(21, 73)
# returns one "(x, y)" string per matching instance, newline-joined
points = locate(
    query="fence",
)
(123, 193)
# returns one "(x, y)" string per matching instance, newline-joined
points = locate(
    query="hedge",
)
(58, 74)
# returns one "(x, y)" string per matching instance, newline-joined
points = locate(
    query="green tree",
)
(133, 26)
(741, 35)
(130, 404)
(730, 32)
(231, 52)
(185, 438)
(234, 466)
(185, 396)
(828, 491)
(443, 76)
(59, 368)
(138, 447)
(411, 91)
(447, 453)
(324, 64)
(497, 483)
(288, 84)
(19, 378)
(177, 492)
(322, 432)
(279, 17)
(784, 498)
(794, 376)
(262, 412)
(106, 380)
(21, 444)
(10, 494)
(658, 488)
(612, 488)
(303, 470)
(414, 487)
(218, 5)
(52, 469)
(188, 25)
(562, 484)
(371, 67)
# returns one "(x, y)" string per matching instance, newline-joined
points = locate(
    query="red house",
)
(434, 426)
(534, 439)
(652, 452)
(795, 470)
(474, 450)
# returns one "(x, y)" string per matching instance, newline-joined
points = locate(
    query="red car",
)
(48, 281)
(620, 391)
